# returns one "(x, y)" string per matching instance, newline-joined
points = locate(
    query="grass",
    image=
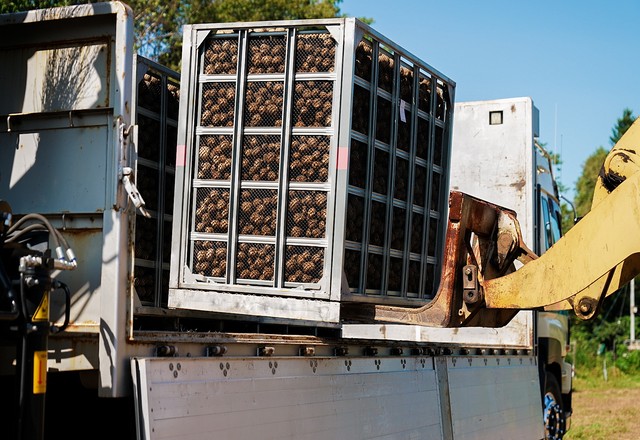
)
(605, 409)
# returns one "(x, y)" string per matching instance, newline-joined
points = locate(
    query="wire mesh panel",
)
(258, 212)
(255, 261)
(266, 53)
(261, 151)
(309, 159)
(218, 105)
(312, 104)
(261, 158)
(212, 210)
(265, 100)
(315, 158)
(214, 157)
(220, 56)
(210, 258)
(157, 102)
(304, 264)
(315, 52)
(397, 174)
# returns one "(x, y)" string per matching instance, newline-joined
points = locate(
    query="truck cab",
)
(496, 156)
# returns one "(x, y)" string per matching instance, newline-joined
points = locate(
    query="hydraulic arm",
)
(479, 284)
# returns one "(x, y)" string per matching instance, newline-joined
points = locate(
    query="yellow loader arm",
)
(479, 284)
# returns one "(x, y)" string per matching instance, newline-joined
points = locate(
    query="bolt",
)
(467, 271)
(585, 306)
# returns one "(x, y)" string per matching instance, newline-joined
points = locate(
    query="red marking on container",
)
(181, 155)
(343, 158)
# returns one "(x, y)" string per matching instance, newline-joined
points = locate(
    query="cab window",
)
(547, 235)
(555, 218)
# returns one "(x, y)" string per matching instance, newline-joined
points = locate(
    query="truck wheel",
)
(554, 416)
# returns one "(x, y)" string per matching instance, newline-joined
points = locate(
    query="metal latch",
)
(471, 289)
(133, 192)
(127, 172)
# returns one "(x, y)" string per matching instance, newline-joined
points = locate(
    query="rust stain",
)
(519, 184)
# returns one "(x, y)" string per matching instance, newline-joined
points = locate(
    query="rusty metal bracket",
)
(483, 239)
(479, 285)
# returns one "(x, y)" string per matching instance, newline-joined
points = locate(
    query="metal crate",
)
(156, 116)
(312, 169)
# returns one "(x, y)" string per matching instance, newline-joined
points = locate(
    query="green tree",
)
(158, 23)
(611, 327)
(568, 217)
(622, 125)
(166, 37)
(7, 6)
(592, 166)
(587, 181)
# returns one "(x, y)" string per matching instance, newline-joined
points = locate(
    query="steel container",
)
(312, 169)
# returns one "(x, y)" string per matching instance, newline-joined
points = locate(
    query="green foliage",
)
(610, 328)
(158, 28)
(622, 125)
(604, 338)
(165, 39)
(591, 167)
(208, 11)
(568, 217)
(158, 23)
(587, 181)
(7, 6)
(628, 361)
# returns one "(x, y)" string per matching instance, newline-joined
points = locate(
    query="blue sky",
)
(579, 61)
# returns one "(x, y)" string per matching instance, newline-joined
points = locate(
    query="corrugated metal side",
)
(495, 397)
(404, 397)
(285, 398)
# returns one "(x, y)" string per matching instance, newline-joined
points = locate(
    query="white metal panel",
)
(288, 398)
(495, 397)
(496, 163)
(516, 335)
(322, 312)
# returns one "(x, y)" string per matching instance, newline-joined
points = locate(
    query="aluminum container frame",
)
(155, 159)
(319, 301)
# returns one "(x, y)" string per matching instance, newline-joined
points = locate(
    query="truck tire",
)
(553, 412)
